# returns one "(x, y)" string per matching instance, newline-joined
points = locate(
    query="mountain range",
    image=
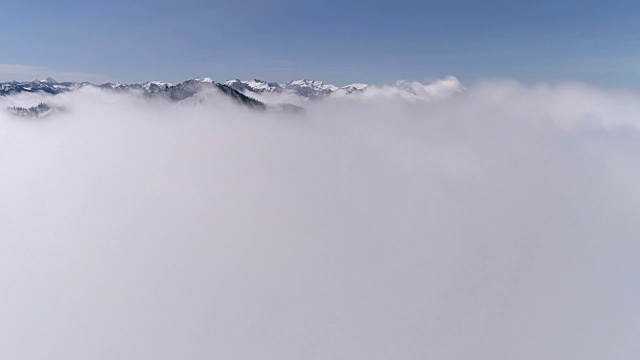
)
(305, 88)
(247, 93)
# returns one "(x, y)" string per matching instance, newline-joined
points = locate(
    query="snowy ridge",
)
(155, 86)
(309, 88)
(304, 89)
(314, 89)
(290, 97)
(115, 86)
(255, 85)
(353, 88)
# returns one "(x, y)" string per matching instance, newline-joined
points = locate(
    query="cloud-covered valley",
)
(497, 221)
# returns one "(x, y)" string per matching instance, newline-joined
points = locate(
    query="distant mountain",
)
(198, 90)
(116, 87)
(192, 87)
(311, 89)
(243, 91)
(152, 87)
(256, 86)
(176, 92)
(48, 86)
(241, 98)
(354, 88)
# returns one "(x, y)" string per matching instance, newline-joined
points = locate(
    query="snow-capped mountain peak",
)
(313, 84)
(155, 86)
(118, 86)
(48, 80)
(255, 85)
(309, 88)
(352, 88)
(261, 85)
(204, 80)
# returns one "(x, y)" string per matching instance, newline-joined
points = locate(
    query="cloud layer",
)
(497, 223)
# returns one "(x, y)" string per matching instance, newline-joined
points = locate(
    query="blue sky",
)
(337, 41)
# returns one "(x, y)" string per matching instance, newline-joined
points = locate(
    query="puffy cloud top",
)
(413, 221)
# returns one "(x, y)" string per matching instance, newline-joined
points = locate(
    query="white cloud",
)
(499, 223)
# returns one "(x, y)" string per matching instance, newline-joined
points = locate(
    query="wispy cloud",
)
(19, 72)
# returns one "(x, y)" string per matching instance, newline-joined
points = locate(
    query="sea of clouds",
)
(502, 222)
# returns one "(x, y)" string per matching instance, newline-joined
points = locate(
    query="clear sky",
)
(338, 41)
